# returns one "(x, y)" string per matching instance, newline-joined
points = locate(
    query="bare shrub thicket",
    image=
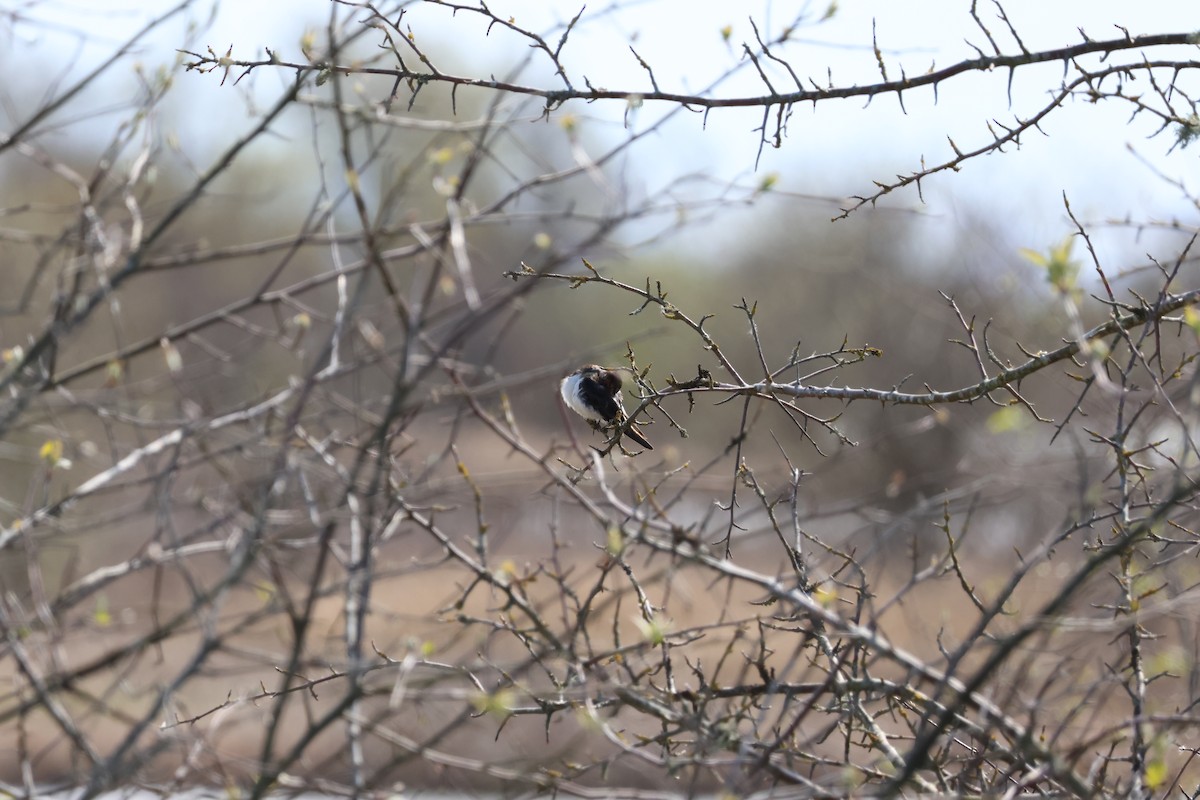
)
(284, 509)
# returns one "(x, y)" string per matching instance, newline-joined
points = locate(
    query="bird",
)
(594, 393)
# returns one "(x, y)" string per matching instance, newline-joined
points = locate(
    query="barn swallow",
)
(594, 393)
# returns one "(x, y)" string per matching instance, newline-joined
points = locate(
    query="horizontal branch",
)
(966, 394)
(558, 96)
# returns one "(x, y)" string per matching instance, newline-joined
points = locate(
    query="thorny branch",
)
(288, 511)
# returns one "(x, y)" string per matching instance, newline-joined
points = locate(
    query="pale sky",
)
(1092, 154)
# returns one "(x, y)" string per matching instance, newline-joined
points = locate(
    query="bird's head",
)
(610, 379)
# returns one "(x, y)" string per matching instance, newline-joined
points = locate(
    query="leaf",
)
(1007, 420)
(499, 703)
(1192, 319)
(51, 452)
(615, 543)
(825, 596)
(1156, 773)
(1061, 269)
(655, 629)
(1033, 257)
(171, 355)
(101, 615)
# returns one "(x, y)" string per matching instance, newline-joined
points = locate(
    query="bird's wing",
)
(595, 395)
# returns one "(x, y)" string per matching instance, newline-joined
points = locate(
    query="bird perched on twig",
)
(594, 393)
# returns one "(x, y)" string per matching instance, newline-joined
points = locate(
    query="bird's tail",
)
(633, 433)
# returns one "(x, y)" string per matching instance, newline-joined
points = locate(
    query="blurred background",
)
(710, 205)
(235, 298)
